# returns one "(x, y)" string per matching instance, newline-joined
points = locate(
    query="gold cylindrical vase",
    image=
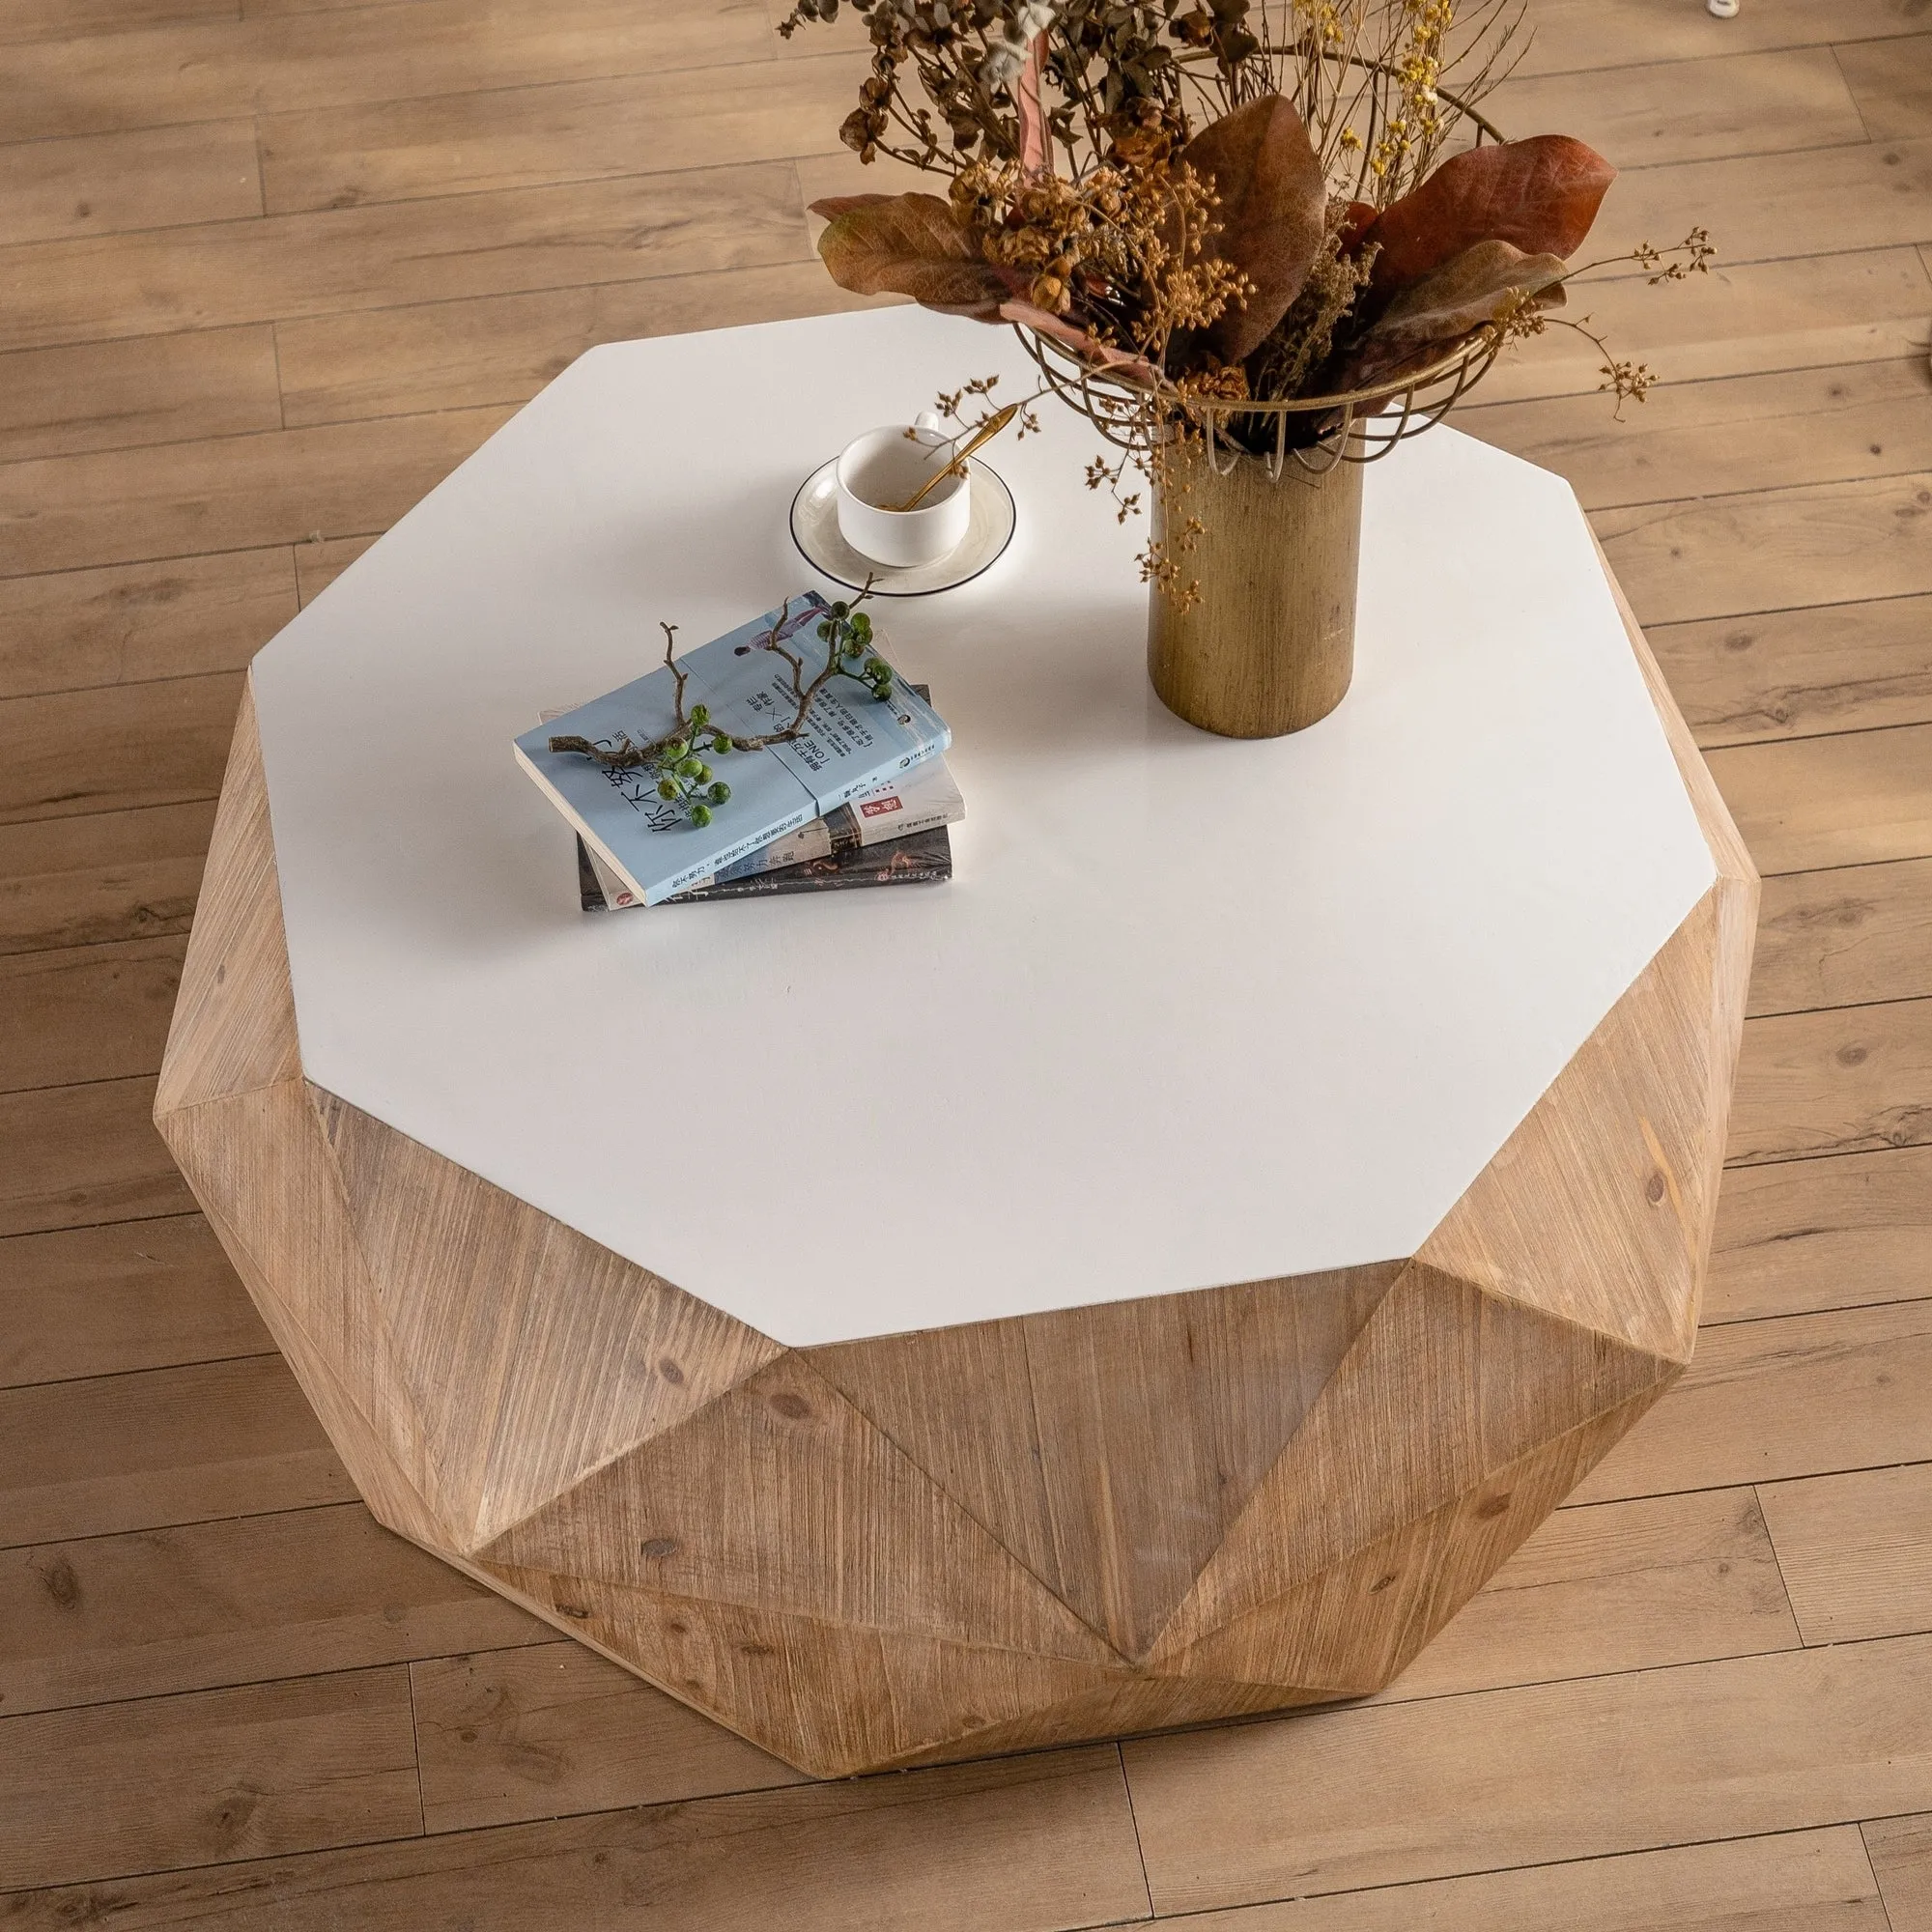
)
(1267, 644)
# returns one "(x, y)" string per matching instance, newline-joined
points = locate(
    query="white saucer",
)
(814, 528)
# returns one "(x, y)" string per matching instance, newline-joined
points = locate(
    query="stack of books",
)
(861, 797)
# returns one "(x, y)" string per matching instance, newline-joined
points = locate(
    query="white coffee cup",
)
(886, 466)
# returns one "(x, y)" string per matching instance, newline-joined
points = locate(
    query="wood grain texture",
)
(239, 1600)
(134, 1294)
(147, 178)
(1796, 1882)
(566, 131)
(1269, 646)
(86, 1012)
(234, 1026)
(280, 487)
(290, 57)
(1797, 673)
(1042, 1844)
(131, 624)
(166, 1446)
(1616, 1586)
(1740, 318)
(1793, 427)
(72, 1156)
(503, 349)
(1032, 1423)
(1841, 1081)
(1856, 1552)
(552, 1728)
(214, 1776)
(533, 1358)
(430, 250)
(100, 876)
(64, 20)
(1033, 1532)
(1797, 1396)
(469, 301)
(1856, 797)
(156, 388)
(1805, 1236)
(1830, 543)
(115, 748)
(1517, 1778)
(1575, 35)
(1861, 195)
(1729, 103)
(1891, 85)
(1844, 937)
(1901, 1856)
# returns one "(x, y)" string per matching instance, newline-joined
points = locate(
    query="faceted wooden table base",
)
(973, 1539)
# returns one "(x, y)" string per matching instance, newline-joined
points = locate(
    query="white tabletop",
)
(1190, 1013)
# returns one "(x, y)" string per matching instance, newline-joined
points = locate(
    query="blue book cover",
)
(852, 743)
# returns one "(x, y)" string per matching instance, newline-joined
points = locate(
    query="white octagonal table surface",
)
(1191, 1011)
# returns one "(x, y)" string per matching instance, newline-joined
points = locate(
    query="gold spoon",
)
(984, 434)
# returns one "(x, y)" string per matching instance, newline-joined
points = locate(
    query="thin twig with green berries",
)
(676, 761)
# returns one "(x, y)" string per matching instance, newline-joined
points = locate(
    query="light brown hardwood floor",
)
(269, 269)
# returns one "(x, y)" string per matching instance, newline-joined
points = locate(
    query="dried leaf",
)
(1433, 315)
(1089, 348)
(1033, 118)
(1258, 161)
(912, 244)
(1540, 195)
(1357, 219)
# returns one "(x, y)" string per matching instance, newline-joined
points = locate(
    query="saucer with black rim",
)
(814, 530)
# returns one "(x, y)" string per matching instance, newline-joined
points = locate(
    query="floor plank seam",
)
(1708, 1324)
(1738, 1483)
(1540, 1864)
(1878, 1883)
(1778, 1564)
(1133, 1819)
(152, 1368)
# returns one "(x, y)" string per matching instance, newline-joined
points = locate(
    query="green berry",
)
(720, 743)
(689, 768)
(700, 815)
(720, 793)
(841, 609)
(699, 713)
(666, 789)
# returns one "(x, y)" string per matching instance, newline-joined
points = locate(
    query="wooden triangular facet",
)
(1111, 1448)
(535, 1355)
(1598, 1207)
(234, 1026)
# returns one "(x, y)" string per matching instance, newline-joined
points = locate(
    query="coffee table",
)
(1157, 1276)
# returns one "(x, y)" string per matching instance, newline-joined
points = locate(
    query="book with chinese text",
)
(927, 800)
(852, 744)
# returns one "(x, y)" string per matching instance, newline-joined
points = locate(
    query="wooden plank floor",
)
(268, 269)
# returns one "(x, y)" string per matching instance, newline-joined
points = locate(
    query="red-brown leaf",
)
(1430, 317)
(1089, 348)
(1357, 219)
(1539, 195)
(1259, 160)
(912, 244)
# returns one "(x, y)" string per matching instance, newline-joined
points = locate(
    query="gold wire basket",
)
(1350, 426)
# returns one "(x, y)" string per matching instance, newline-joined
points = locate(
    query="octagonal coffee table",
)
(1157, 1276)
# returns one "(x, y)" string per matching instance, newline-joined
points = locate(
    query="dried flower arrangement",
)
(1235, 222)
